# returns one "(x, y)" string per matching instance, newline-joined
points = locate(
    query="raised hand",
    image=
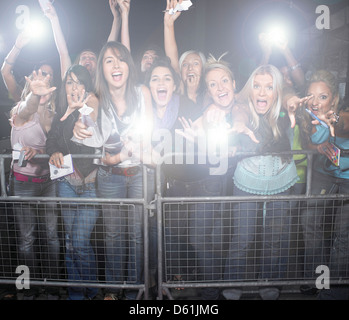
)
(169, 19)
(50, 13)
(330, 118)
(292, 104)
(22, 39)
(113, 4)
(124, 6)
(240, 127)
(265, 43)
(75, 101)
(40, 85)
(190, 131)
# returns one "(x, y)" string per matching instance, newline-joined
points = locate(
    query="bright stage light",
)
(35, 29)
(277, 34)
(217, 135)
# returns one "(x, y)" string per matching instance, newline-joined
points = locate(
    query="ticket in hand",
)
(66, 169)
(85, 110)
(85, 115)
(184, 6)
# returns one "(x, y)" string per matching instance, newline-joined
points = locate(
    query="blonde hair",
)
(330, 80)
(213, 63)
(187, 53)
(274, 112)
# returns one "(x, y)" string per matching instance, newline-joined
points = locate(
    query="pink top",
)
(31, 134)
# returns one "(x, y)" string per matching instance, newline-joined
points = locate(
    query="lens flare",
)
(35, 29)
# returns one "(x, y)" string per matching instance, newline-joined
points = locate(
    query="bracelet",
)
(295, 67)
(336, 118)
(9, 63)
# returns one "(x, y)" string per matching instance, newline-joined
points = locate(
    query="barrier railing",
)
(184, 264)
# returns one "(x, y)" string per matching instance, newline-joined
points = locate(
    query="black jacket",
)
(59, 140)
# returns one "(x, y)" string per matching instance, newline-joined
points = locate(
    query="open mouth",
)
(162, 94)
(117, 76)
(223, 95)
(262, 103)
(190, 77)
(88, 66)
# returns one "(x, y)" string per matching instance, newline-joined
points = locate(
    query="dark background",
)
(212, 26)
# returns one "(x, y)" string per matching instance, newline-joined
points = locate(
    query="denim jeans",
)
(204, 226)
(124, 236)
(79, 222)
(274, 238)
(36, 222)
(313, 222)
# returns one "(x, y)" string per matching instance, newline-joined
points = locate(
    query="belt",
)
(127, 172)
(25, 178)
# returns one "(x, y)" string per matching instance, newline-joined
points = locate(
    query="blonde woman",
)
(190, 65)
(258, 112)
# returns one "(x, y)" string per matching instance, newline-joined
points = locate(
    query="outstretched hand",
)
(240, 127)
(75, 101)
(330, 118)
(190, 131)
(292, 104)
(40, 85)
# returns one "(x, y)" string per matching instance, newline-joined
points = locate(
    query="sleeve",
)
(54, 137)
(321, 135)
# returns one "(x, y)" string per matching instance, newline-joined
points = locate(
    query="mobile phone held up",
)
(43, 4)
(323, 123)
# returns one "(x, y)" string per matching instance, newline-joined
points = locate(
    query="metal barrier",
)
(185, 259)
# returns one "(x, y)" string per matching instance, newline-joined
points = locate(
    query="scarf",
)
(170, 116)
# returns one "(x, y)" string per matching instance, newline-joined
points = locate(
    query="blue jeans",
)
(79, 222)
(204, 226)
(37, 223)
(274, 239)
(313, 221)
(124, 236)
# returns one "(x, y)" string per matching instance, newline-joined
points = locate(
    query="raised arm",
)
(61, 44)
(115, 28)
(39, 86)
(11, 84)
(170, 42)
(241, 123)
(266, 46)
(296, 71)
(124, 7)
